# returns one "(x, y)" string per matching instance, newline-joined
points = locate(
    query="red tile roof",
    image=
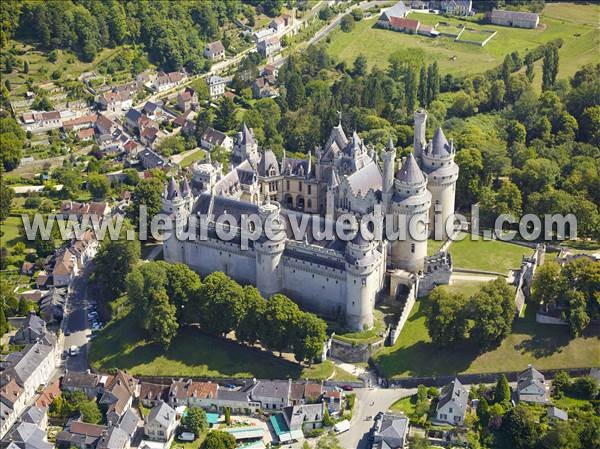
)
(408, 24)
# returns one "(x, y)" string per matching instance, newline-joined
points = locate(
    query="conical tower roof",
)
(439, 144)
(409, 172)
(247, 136)
(172, 189)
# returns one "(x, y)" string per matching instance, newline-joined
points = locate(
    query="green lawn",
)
(545, 346)
(366, 336)
(487, 255)
(121, 344)
(10, 231)
(467, 288)
(405, 405)
(191, 158)
(576, 24)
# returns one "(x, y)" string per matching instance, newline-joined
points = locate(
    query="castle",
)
(334, 278)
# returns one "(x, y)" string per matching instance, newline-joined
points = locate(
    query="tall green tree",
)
(221, 304)
(195, 421)
(502, 391)
(162, 319)
(280, 323)
(226, 115)
(147, 194)
(251, 324)
(447, 322)
(423, 88)
(310, 337)
(217, 439)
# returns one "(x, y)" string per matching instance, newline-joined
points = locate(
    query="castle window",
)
(287, 184)
(412, 248)
(309, 189)
(300, 185)
(313, 275)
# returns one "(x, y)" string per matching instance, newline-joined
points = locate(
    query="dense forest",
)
(172, 33)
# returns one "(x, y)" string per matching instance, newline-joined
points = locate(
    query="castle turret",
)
(332, 190)
(442, 173)
(269, 267)
(388, 156)
(420, 127)
(363, 269)
(410, 207)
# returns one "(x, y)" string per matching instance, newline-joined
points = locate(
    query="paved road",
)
(77, 326)
(368, 403)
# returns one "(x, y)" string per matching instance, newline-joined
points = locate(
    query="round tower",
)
(442, 174)
(269, 269)
(363, 263)
(410, 207)
(420, 127)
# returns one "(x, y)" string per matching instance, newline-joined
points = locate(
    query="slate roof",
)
(455, 392)
(129, 422)
(27, 361)
(247, 136)
(34, 415)
(390, 432)
(439, 144)
(79, 380)
(114, 438)
(272, 389)
(367, 178)
(267, 161)
(153, 392)
(27, 436)
(398, 10)
(163, 414)
(409, 172)
(213, 136)
(34, 323)
(556, 413)
(513, 15)
(216, 47)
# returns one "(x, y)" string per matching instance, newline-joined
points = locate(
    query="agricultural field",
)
(546, 346)
(576, 24)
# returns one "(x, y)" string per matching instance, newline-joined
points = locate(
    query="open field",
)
(546, 346)
(576, 24)
(487, 255)
(10, 231)
(122, 344)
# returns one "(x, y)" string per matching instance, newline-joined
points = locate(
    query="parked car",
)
(347, 388)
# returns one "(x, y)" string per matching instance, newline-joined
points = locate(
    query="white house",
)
(452, 404)
(214, 50)
(160, 424)
(216, 86)
(532, 386)
(269, 46)
(212, 138)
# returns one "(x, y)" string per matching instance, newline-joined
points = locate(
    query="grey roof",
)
(333, 180)
(162, 413)
(555, 412)
(221, 205)
(34, 323)
(512, 15)
(213, 136)
(391, 431)
(172, 189)
(272, 389)
(338, 137)
(439, 144)
(530, 376)
(129, 422)
(73, 379)
(455, 392)
(27, 436)
(34, 415)
(398, 10)
(247, 135)
(367, 178)
(115, 438)
(268, 161)
(225, 394)
(409, 172)
(27, 361)
(296, 167)
(296, 415)
(133, 115)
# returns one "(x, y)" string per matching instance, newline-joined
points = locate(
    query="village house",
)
(182, 118)
(262, 34)
(80, 435)
(214, 50)
(517, 19)
(151, 394)
(85, 135)
(269, 46)
(65, 268)
(272, 394)
(391, 431)
(83, 122)
(41, 121)
(264, 87)
(12, 401)
(457, 7)
(77, 381)
(452, 404)
(213, 138)
(160, 424)
(154, 111)
(32, 329)
(303, 417)
(270, 70)
(115, 100)
(30, 432)
(532, 386)
(187, 99)
(72, 209)
(398, 11)
(281, 24)
(149, 159)
(166, 81)
(50, 393)
(216, 86)
(105, 126)
(52, 305)
(118, 396)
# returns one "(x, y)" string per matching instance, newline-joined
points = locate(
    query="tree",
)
(147, 193)
(589, 128)
(217, 439)
(329, 441)
(360, 65)
(561, 382)
(492, 311)
(26, 67)
(310, 337)
(162, 319)
(520, 427)
(295, 94)
(182, 287)
(90, 412)
(502, 391)
(3, 322)
(227, 413)
(221, 304)
(469, 182)
(114, 261)
(226, 115)
(585, 387)
(577, 315)
(347, 23)
(548, 284)
(98, 185)
(549, 67)
(446, 321)
(195, 421)
(13, 139)
(280, 318)
(6, 196)
(204, 120)
(422, 91)
(516, 132)
(250, 326)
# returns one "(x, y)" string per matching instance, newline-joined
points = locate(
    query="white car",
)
(73, 350)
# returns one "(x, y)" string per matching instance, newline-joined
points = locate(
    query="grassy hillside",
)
(576, 24)
(546, 346)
